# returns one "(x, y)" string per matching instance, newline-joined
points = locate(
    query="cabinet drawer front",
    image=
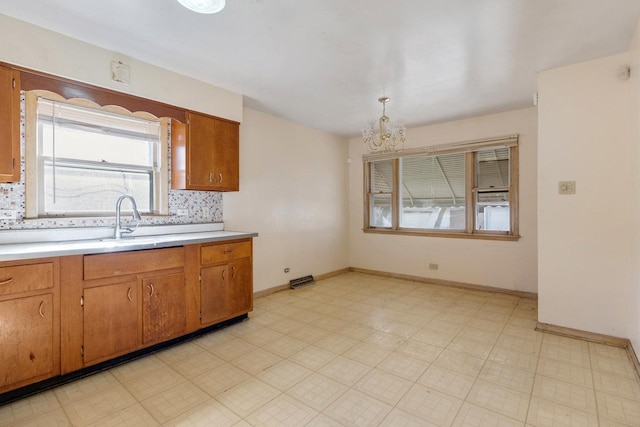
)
(125, 263)
(223, 252)
(22, 278)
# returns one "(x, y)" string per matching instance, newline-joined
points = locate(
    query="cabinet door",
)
(26, 339)
(213, 294)
(200, 173)
(163, 307)
(240, 292)
(110, 320)
(226, 155)
(10, 126)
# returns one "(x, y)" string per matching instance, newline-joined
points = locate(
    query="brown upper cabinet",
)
(205, 154)
(9, 125)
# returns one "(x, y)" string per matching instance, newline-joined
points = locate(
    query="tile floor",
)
(360, 350)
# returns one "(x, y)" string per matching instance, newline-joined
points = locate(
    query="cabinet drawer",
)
(223, 252)
(22, 278)
(126, 263)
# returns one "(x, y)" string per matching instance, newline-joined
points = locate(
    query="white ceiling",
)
(324, 63)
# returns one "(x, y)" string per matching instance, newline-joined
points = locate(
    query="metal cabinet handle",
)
(220, 175)
(129, 294)
(223, 274)
(210, 176)
(40, 309)
(6, 282)
(233, 272)
(152, 289)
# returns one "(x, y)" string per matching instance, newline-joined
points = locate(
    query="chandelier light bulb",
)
(203, 6)
(387, 135)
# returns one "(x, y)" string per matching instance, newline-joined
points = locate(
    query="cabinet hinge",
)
(82, 301)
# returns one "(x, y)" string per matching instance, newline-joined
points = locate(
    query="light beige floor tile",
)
(544, 413)
(85, 387)
(611, 352)
(336, 343)
(520, 343)
(447, 381)
(344, 370)
(284, 375)
(401, 329)
(566, 354)
(260, 336)
(220, 379)
(491, 315)
(215, 338)
(208, 414)
(404, 366)
(522, 328)
(331, 324)
(179, 352)
(256, 361)
(565, 372)
(174, 402)
(286, 326)
(99, 405)
(137, 368)
(618, 409)
(575, 396)
(507, 376)
(357, 409)
(419, 350)
(356, 331)
(502, 400)
(324, 421)
(459, 362)
(398, 417)
(470, 347)
(317, 391)
(155, 382)
(313, 357)
(309, 334)
(388, 341)
(474, 416)
(477, 334)
(451, 325)
(196, 364)
(285, 346)
(28, 407)
(434, 337)
(613, 365)
(628, 388)
(515, 359)
(430, 405)
(247, 396)
(369, 354)
(283, 411)
(230, 349)
(133, 416)
(55, 418)
(383, 386)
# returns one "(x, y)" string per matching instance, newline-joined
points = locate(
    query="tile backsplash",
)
(202, 206)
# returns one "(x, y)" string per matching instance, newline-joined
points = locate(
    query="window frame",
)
(34, 163)
(470, 148)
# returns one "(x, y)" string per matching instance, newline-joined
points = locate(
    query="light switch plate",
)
(566, 187)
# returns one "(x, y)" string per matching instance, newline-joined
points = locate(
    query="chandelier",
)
(386, 136)
(203, 6)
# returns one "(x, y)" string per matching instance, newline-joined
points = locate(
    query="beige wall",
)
(585, 247)
(39, 49)
(509, 265)
(293, 192)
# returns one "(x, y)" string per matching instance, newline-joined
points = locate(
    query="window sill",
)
(445, 234)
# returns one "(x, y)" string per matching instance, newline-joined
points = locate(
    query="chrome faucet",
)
(119, 231)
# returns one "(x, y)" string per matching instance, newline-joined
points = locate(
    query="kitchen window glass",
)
(459, 190)
(86, 158)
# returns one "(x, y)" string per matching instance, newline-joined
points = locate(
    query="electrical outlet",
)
(8, 214)
(206, 212)
(433, 266)
(182, 212)
(566, 187)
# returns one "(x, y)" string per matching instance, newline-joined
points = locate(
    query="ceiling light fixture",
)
(203, 6)
(387, 136)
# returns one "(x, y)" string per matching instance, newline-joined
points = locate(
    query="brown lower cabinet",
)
(66, 314)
